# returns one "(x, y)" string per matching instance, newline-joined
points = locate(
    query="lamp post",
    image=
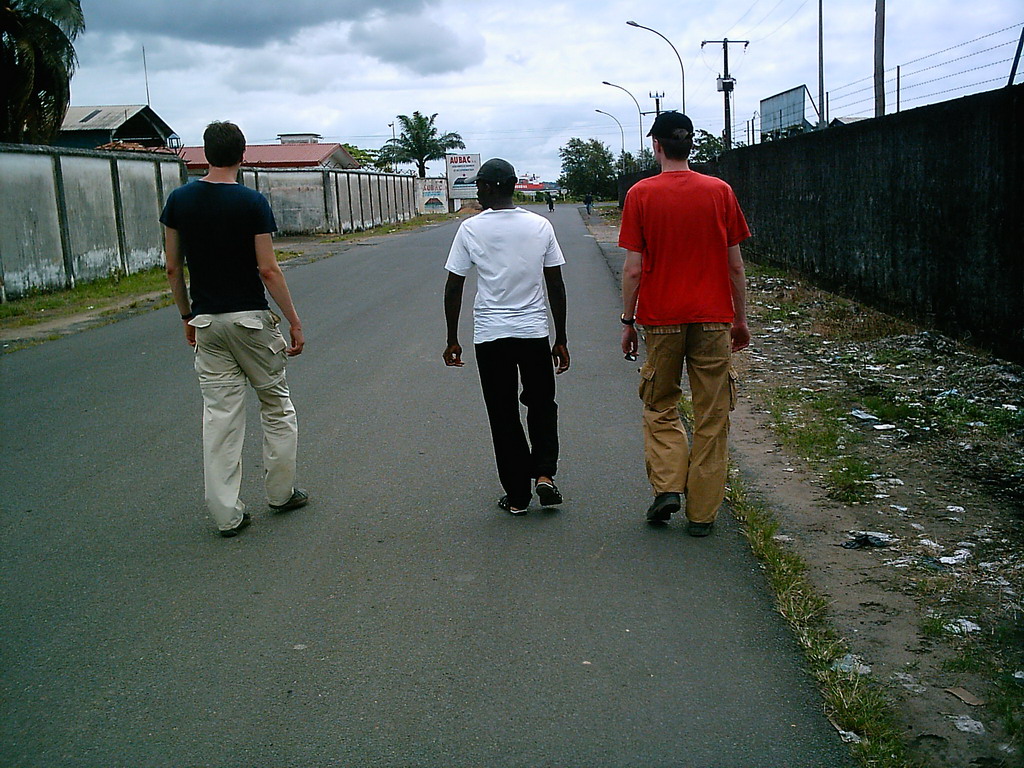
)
(622, 133)
(639, 113)
(682, 72)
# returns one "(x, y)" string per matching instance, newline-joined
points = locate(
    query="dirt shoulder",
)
(852, 422)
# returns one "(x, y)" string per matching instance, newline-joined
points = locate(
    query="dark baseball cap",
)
(496, 171)
(671, 125)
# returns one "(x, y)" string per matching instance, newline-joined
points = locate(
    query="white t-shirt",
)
(509, 248)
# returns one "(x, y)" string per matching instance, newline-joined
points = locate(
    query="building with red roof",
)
(288, 154)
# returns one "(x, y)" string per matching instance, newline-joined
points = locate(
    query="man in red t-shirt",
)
(684, 282)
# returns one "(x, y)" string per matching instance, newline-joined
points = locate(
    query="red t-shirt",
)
(683, 223)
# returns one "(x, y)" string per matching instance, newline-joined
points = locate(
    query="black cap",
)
(496, 171)
(671, 125)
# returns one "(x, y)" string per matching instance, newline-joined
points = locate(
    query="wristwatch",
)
(189, 316)
(624, 321)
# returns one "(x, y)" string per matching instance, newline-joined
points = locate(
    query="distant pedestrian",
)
(550, 201)
(222, 231)
(588, 200)
(684, 282)
(516, 256)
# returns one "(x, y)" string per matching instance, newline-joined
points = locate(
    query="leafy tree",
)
(368, 158)
(646, 161)
(588, 166)
(706, 146)
(419, 142)
(37, 60)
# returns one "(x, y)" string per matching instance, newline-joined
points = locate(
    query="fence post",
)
(62, 221)
(122, 239)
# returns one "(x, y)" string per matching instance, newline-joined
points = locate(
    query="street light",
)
(639, 113)
(682, 72)
(622, 133)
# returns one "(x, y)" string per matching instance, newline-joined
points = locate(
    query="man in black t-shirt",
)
(222, 231)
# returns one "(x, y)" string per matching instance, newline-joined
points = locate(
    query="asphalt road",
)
(401, 619)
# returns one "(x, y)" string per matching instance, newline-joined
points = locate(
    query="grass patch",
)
(403, 226)
(813, 425)
(38, 307)
(852, 702)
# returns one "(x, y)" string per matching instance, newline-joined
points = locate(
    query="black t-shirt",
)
(217, 224)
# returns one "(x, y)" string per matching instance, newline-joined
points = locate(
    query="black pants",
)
(503, 363)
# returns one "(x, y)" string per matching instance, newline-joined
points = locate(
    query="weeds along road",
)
(401, 619)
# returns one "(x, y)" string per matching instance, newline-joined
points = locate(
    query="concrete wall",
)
(68, 215)
(920, 213)
(313, 202)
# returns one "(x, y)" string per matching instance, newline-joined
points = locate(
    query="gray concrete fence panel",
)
(31, 251)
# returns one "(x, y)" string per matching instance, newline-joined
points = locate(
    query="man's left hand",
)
(190, 334)
(560, 356)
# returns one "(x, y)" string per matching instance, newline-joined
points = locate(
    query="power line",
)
(783, 23)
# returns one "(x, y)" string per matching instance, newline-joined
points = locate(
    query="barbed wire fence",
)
(984, 65)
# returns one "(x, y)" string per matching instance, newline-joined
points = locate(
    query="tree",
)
(368, 158)
(706, 146)
(37, 60)
(588, 166)
(419, 142)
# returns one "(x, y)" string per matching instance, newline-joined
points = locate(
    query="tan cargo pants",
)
(699, 471)
(233, 350)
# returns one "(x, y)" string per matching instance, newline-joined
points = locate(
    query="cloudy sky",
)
(518, 79)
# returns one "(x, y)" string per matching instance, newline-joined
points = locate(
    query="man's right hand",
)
(453, 356)
(740, 336)
(298, 341)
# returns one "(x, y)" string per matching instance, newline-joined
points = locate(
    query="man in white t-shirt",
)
(516, 255)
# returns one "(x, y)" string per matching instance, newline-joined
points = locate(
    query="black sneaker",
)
(505, 504)
(548, 494)
(242, 525)
(664, 505)
(699, 529)
(299, 498)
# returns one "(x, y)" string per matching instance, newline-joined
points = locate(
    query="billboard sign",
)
(432, 195)
(784, 110)
(461, 168)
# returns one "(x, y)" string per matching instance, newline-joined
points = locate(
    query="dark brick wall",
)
(920, 213)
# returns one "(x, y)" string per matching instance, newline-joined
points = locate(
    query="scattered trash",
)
(866, 539)
(959, 557)
(851, 663)
(863, 415)
(884, 427)
(961, 627)
(1019, 677)
(783, 538)
(956, 510)
(909, 682)
(848, 737)
(931, 545)
(966, 697)
(967, 724)
(1008, 407)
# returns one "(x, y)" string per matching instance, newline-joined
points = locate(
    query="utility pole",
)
(726, 85)
(822, 116)
(879, 58)
(657, 101)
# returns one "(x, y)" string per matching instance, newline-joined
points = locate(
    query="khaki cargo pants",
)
(673, 465)
(233, 350)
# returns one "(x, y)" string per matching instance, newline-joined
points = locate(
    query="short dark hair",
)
(224, 144)
(676, 149)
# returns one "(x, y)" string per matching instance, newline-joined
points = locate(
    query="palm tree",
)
(419, 142)
(37, 59)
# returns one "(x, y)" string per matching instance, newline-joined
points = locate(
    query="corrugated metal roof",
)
(276, 155)
(99, 118)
